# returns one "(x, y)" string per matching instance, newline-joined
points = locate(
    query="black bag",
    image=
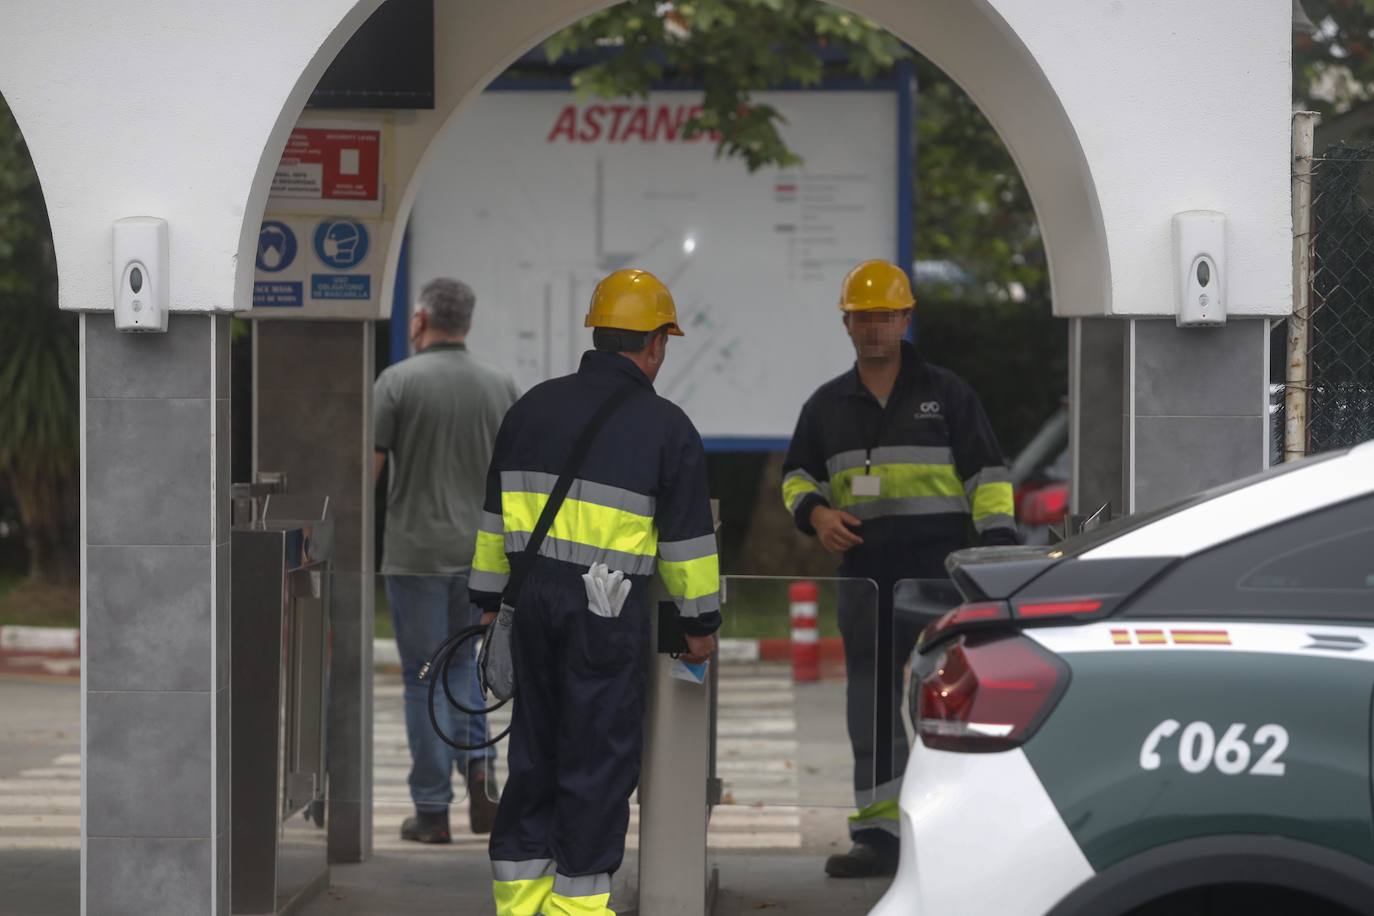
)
(497, 662)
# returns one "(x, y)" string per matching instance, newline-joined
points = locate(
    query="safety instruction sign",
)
(317, 261)
(322, 163)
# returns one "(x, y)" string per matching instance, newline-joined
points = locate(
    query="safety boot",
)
(481, 806)
(427, 827)
(864, 860)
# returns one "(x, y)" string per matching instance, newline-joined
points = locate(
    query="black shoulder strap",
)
(562, 486)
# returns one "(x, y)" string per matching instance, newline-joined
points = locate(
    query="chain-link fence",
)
(1340, 346)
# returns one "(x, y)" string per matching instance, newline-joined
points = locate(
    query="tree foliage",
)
(38, 369)
(1334, 69)
(971, 205)
(730, 48)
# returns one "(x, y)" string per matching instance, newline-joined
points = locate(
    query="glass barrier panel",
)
(794, 725)
(414, 769)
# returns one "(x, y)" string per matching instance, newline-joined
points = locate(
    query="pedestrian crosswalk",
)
(757, 757)
(757, 762)
(40, 807)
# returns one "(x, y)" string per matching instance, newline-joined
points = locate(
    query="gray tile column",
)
(312, 398)
(155, 618)
(1196, 407)
(1096, 405)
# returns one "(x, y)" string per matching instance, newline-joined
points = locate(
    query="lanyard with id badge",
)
(868, 483)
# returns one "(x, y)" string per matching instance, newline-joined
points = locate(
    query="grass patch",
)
(381, 618)
(23, 603)
(761, 609)
(754, 608)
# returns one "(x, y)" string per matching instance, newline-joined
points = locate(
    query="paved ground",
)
(782, 754)
(40, 797)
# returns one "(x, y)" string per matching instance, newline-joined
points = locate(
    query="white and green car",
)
(1170, 714)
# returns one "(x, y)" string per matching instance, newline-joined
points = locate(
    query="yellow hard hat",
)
(876, 286)
(633, 300)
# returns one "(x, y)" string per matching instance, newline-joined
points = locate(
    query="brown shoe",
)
(481, 809)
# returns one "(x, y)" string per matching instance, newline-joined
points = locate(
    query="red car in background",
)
(1040, 478)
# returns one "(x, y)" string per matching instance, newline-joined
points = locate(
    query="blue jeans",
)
(425, 611)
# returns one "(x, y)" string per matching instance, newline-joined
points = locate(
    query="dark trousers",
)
(859, 616)
(577, 731)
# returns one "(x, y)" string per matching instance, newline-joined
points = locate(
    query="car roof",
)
(1225, 513)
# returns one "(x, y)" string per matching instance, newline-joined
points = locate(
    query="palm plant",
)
(39, 371)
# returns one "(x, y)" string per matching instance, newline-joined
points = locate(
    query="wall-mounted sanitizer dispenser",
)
(1200, 268)
(140, 274)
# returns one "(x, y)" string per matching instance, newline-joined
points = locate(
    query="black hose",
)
(439, 663)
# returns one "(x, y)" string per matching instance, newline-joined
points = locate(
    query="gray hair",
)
(449, 303)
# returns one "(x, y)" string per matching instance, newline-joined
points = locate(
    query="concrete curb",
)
(732, 651)
(59, 642)
(65, 642)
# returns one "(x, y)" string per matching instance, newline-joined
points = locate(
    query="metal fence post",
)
(1295, 392)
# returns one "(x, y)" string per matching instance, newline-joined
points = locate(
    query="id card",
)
(868, 485)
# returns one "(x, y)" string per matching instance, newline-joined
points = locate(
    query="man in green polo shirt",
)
(435, 417)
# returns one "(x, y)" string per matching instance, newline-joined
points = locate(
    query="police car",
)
(1170, 714)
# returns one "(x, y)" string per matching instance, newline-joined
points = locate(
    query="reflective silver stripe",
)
(888, 791)
(586, 491)
(993, 521)
(886, 825)
(483, 581)
(582, 886)
(986, 475)
(912, 505)
(890, 454)
(695, 607)
(691, 549)
(633, 564)
(491, 523)
(527, 870)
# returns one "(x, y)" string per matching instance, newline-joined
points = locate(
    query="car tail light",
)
(987, 694)
(1045, 506)
(1076, 608)
(964, 617)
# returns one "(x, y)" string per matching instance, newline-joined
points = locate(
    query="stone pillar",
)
(1196, 409)
(312, 399)
(1096, 409)
(155, 724)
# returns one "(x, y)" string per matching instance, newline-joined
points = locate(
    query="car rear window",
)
(1080, 544)
(1316, 566)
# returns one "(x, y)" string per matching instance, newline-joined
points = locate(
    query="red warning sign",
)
(329, 164)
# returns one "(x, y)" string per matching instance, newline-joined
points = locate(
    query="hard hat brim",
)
(864, 307)
(671, 328)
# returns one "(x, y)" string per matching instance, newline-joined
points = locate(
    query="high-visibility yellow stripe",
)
(878, 811)
(591, 905)
(584, 523)
(993, 499)
(490, 554)
(794, 487)
(691, 578)
(899, 481)
(522, 898)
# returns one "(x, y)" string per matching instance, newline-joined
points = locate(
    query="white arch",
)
(1118, 114)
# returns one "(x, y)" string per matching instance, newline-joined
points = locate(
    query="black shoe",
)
(865, 860)
(481, 808)
(427, 827)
